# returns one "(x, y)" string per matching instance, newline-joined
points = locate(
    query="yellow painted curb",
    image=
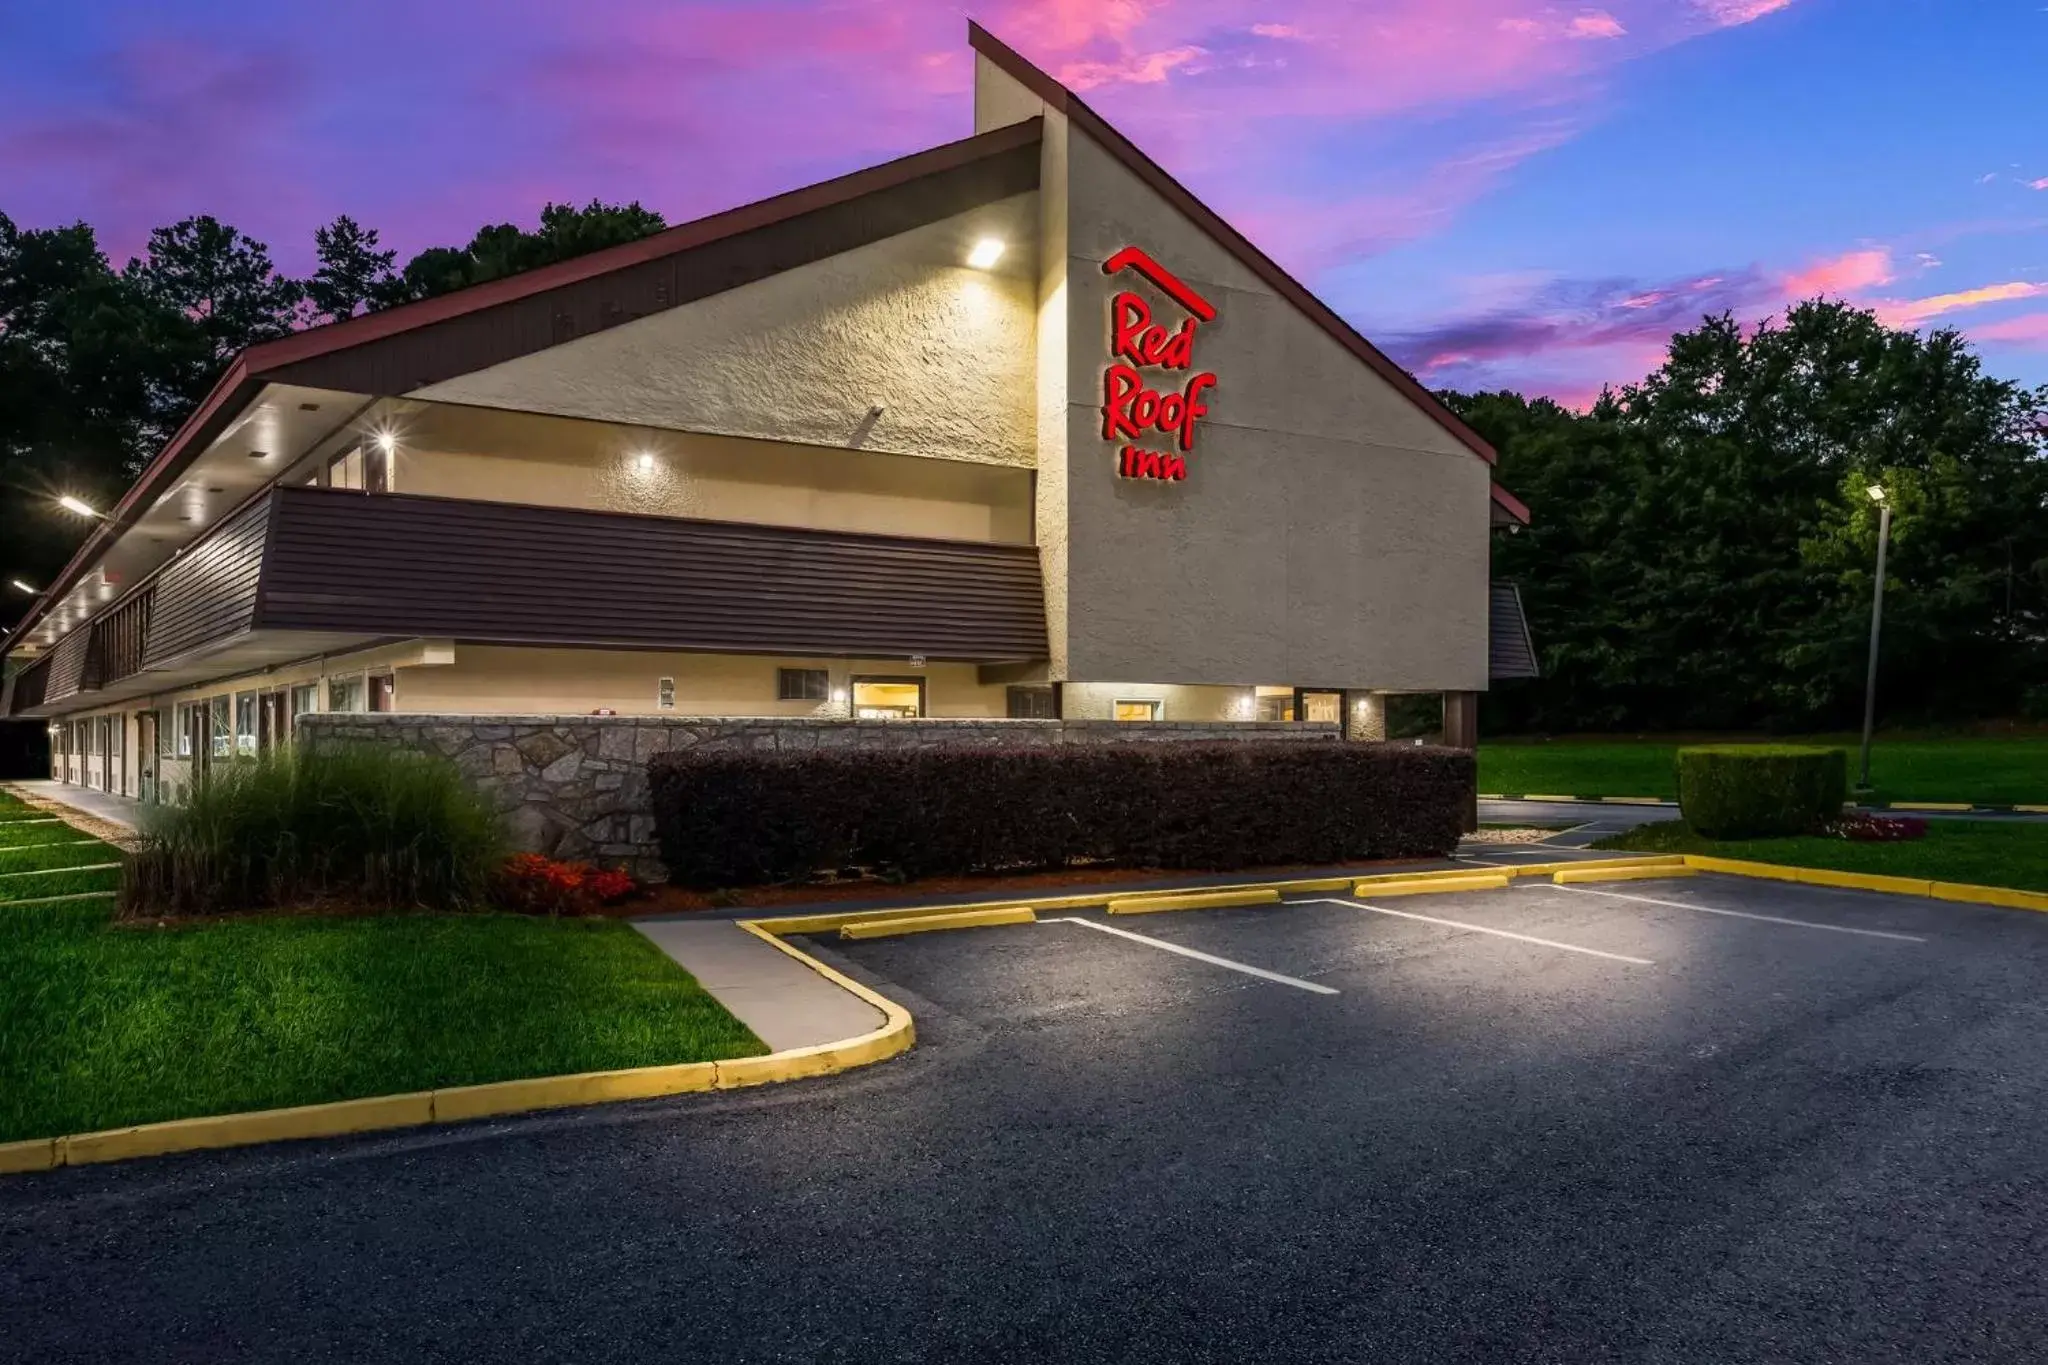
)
(920, 924)
(2004, 896)
(1417, 886)
(456, 1103)
(460, 1102)
(37, 1154)
(1518, 870)
(2033, 810)
(1571, 876)
(1739, 868)
(238, 1130)
(1930, 805)
(1633, 801)
(1193, 900)
(1546, 796)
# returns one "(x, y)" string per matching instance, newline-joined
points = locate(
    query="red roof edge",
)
(1066, 102)
(1510, 504)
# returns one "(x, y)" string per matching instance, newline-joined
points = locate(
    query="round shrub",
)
(1757, 791)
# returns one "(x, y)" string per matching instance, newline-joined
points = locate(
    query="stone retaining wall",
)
(576, 786)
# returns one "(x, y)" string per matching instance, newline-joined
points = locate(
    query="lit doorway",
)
(888, 698)
(1321, 708)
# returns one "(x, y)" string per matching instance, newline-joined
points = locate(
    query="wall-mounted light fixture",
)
(386, 442)
(985, 253)
(644, 462)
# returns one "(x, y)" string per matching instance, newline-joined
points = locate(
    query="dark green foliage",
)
(1756, 791)
(741, 819)
(1973, 852)
(503, 249)
(353, 274)
(363, 826)
(1702, 545)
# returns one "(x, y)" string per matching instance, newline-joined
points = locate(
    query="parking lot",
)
(1699, 1119)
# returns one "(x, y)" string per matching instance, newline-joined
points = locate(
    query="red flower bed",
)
(533, 885)
(1878, 829)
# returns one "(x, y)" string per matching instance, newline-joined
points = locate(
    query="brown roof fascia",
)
(1511, 504)
(1067, 102)
(243, 378)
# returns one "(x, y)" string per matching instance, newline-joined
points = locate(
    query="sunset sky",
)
(1499, 192)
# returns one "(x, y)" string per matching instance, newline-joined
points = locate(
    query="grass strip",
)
(103, 1025)
(44, 857)
(61, 882)
(1976, 852)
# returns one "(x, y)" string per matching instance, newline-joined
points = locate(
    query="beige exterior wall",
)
(1097, 701)
(944, 350)
(490, 680)
(1329, 533)
(463, 452)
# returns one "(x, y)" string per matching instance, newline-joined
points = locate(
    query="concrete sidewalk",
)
(98, 813)
(785, 1003)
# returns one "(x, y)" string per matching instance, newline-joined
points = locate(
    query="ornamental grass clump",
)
(354, 826)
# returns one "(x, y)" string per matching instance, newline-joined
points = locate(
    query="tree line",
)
(1702, 546)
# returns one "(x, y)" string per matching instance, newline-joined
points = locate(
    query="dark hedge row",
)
(743, 819)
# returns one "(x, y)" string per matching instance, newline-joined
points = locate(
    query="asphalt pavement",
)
(1700, 1120)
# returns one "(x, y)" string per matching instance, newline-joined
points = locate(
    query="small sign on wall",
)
(665, 694)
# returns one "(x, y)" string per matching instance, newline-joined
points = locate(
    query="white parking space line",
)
(1209, 958)
(1484, 929)
(1739, 914)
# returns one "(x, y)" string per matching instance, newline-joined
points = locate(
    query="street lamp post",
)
(1884, 535)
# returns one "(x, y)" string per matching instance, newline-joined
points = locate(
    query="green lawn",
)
(105, 1024)
(1988, 770)
(1978, 852)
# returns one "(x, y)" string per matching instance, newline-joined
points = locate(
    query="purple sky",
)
(1500, 192)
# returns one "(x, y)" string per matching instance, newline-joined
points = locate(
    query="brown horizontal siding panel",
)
(458, 345)
(67, 664)
(208, 593)
(404, 565)
(27, 688)
(117, 640)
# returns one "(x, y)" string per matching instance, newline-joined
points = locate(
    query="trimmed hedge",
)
(1758, 791)
(747, 818)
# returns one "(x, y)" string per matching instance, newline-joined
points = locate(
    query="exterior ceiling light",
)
(386, 442)
(77, 505)
(986, 253)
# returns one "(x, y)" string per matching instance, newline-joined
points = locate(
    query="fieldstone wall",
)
(576, 786)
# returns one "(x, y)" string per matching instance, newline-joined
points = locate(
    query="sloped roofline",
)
(247, 374)
(1065, 101)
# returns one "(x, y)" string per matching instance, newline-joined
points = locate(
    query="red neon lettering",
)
(1131, 408)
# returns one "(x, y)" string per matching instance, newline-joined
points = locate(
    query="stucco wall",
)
(576, 786)
(465, 452)
(488, 680)
(945, 350)
(1329, 533)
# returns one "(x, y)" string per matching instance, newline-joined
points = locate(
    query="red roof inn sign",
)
(1133, 410)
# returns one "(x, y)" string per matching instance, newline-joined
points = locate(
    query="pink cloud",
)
(2041, 184)
(1595, 24)
(1147, 68)
(1913, 312)
(2030, 330)
(1841, 275)
(1729, 13)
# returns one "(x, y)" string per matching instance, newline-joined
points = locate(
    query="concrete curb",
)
(920, 924)
(455, 1104)
(1427, 885)
(1569, 876)
(1193, 900)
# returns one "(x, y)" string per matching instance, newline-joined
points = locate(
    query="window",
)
(1032, 703)
(888, 698)
(183, 729)
(1275, 703)
(1137, 710)
(345, 694)
(802, 684)
(305, 699)
(665, 693)
(245, 725)
(346, 471)
(167, 732)
(383, 692)
(220, 732)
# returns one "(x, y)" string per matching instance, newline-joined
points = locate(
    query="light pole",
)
(1884, 535)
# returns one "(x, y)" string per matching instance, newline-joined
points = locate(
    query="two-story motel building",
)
(1014, 426)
